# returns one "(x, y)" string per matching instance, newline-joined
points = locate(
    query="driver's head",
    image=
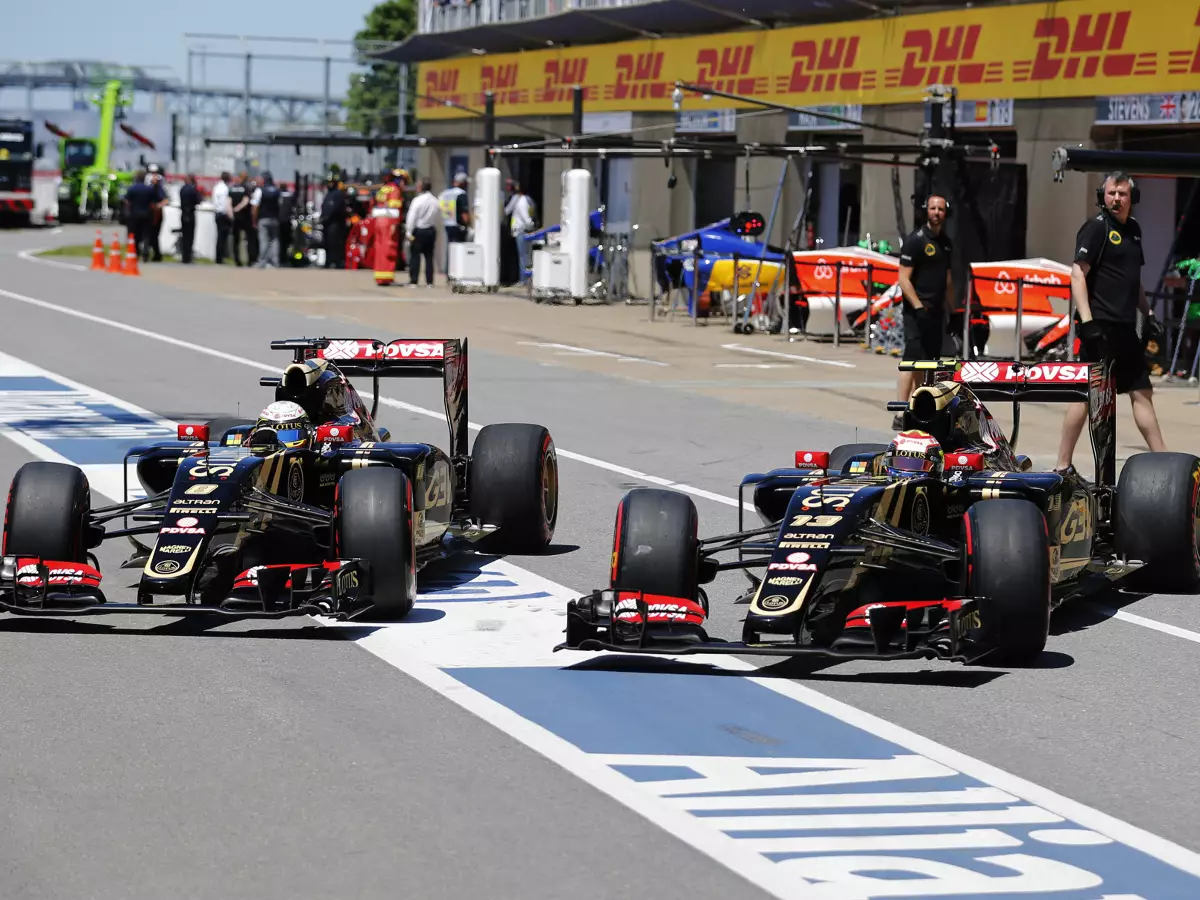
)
(288, 421)
(914, 453)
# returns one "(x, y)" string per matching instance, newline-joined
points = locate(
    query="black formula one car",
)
(333, 522)
(862, 560)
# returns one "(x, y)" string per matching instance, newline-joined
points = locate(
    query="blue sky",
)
(151, 34)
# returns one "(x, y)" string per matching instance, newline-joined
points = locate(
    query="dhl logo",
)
(639, 75)
(1184, 62)
(501, 80)
(728, 69)
(561, 77)
(1083, 48)
(440, 84)
(943, 56)
(826, 65)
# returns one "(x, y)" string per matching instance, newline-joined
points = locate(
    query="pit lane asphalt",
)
(171, 763)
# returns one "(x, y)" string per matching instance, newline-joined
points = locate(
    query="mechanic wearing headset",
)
(926, 282)
(1106, 285)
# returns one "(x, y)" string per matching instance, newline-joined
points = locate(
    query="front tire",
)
(655, 544)
(1008, 567)
(373, 521)
(513, 482)
(46, 514)
(1155, 518)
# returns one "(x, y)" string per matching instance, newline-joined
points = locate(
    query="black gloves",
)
(1091, 336)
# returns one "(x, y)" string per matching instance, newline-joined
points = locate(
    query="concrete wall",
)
(878, 200)
(1056, 211)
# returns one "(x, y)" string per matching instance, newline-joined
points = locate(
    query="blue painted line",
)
(30, 383)
(676, 719)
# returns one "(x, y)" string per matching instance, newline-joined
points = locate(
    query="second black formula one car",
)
(943, 544)
(310, 509)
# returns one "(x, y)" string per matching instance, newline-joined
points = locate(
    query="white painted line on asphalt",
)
(751, 366)
(569, 350)
(29, 256)
(776, 353)
(396, 404)
(1173, 630)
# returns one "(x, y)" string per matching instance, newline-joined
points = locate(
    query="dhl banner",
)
(1071, 48)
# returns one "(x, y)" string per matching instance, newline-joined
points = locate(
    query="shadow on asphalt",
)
(191, 626)
(953, 675)
(1096, 610)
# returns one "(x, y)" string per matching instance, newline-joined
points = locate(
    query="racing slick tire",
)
(839, 456)
(1155, 520)
(373, 521)
(513, 482)
(655, 545)
(46, 514)
(1008, 567)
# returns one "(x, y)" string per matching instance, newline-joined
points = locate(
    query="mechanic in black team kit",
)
(926, 283)
(1106, 283)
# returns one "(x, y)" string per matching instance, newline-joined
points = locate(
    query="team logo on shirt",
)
(930, 249)
(1114, 237)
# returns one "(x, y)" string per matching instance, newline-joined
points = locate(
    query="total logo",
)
(186, 525)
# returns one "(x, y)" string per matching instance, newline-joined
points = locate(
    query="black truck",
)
(17, 154)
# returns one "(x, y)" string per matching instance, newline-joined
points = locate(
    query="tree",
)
(374, 97)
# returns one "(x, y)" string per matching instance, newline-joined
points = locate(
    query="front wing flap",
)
(340, 589)
(633, 622)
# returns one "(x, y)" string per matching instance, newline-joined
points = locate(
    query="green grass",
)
(73, 250)
(84, 251)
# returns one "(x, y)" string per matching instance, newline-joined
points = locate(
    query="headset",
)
(1135, 193)
(925, 204)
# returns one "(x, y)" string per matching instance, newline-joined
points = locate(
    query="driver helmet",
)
(914, 453)
(288, 421)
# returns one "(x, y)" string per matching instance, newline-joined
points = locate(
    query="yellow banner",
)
(1074, 48)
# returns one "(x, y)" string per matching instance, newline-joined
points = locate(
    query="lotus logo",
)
(166, 567)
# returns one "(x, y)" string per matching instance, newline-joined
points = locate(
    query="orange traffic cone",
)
(98, 254)
(114, 255)
(131, 259)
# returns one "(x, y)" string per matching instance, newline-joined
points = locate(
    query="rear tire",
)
(839, 456)
(1008, 565)
(373, 521)
(46, 514)
(514, 485)
(1155, 519)
(655, 544)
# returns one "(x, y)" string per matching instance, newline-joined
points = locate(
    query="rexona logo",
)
(415, 350)
(638, 77)
(1083, 46)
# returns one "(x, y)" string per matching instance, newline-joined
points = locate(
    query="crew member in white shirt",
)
(224, 216)
(519, 210)
(422, 223)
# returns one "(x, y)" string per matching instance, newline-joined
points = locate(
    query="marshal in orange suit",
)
(387, 222)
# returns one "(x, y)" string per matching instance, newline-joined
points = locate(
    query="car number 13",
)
(815, 521)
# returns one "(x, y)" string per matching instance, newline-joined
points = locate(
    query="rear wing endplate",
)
(403, 358)
(1068, 382)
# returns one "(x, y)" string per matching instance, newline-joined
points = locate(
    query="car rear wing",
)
(1069, 382)
(444, 358)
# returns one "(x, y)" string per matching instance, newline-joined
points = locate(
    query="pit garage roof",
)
(652, 19)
